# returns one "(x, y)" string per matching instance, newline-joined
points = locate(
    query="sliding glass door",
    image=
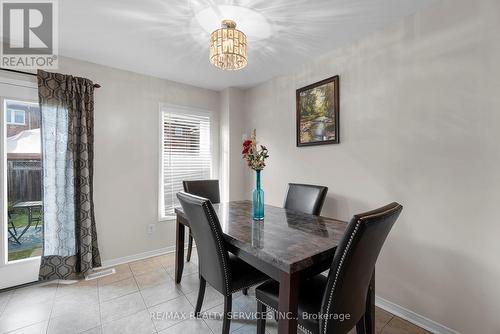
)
(21, 183)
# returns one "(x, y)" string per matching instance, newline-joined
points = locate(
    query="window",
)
(16, 116)
(185, 153)
(23, 160)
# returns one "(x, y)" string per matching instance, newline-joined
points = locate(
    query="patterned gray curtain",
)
(70, 248)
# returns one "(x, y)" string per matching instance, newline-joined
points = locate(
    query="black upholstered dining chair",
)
(305, 198)
(204, 188)
(223, 271)
(344, 292)
(309, 199)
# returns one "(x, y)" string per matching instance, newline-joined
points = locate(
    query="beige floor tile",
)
(189, 268)
(4, 298)
(153, 278)
(250, 328)
(12, 319)
(246, 305)
(190, 326)
(75, 321)
(167, 260)
(161, 293)
(39, 328)
(117, 289)
(189, 283)
(400, 326)
(139, 323)
(74, 301)
(121, 307)
(76, 289)
(171, 312)
(145, 266)
(95, 330)
(382, 318)
(212, 298)
(272, 327)
(33, 295)
(122, 272)
(63, 306)
(213, 318)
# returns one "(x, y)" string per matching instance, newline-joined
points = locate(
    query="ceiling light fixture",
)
(228, 47)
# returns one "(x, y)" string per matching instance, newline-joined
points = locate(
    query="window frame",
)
(12, 119)
(166, 107)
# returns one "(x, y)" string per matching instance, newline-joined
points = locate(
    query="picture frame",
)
(317, 118)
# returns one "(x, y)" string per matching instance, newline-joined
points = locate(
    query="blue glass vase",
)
(258, 199)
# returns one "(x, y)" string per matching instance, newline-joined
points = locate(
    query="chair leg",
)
(12, 236)
(201, 295)
(13, 227)
(190, 247)
(360, 326)
(245, 291)
(261, 320)
(226, 322)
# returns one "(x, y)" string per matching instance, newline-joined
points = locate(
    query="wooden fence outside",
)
(24, 180)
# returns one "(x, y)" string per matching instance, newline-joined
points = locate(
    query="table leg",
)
(30, 216)
(370, 307)
(288, 303)
(30, 221)
(179, 250)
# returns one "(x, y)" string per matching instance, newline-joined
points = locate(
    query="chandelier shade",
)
(228, 47)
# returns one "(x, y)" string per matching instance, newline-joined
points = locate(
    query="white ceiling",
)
(169, 38)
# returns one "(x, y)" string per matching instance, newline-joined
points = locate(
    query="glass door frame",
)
(22, 271)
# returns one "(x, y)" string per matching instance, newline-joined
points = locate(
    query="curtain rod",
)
(33, 74)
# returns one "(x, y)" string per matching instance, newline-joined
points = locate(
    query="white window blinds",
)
(185, 154)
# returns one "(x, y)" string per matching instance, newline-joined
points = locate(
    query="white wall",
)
(126, 154)
(232, 130)
(420, 124)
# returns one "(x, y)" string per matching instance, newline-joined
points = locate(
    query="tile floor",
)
(124, 303)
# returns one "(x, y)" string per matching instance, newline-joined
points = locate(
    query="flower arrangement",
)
(254, 156)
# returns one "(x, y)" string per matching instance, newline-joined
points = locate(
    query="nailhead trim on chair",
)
(221, 249)
(344, 255)
(303, 329)
(338, 271)
(246, 287)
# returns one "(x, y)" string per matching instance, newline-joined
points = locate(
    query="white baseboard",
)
(140, 256)
(413, 317)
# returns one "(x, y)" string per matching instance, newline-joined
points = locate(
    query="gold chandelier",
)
(228, 47)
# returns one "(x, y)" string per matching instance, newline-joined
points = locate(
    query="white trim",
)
(20, 83)
(140, 256)
(22, 271)
(413, 317)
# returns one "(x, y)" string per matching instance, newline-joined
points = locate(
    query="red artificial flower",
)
(245, 150)
(247, 143)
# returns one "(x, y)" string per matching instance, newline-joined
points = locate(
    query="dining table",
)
(286, 245)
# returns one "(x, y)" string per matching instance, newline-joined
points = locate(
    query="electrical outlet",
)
(151, 228)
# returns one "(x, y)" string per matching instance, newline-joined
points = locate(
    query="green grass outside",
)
(24, 254)
(20, 220)
(20, 217)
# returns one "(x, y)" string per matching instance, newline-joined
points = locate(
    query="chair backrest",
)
(204, 188)
(212, 252)
(305, 198)
(352, 268)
